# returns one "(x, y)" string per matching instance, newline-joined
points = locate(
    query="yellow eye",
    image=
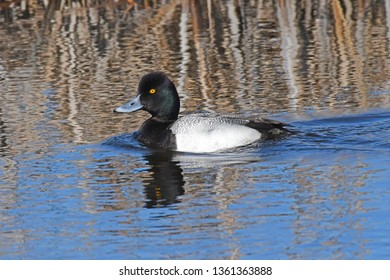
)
(152, 91)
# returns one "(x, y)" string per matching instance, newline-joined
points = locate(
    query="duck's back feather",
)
(208, 121)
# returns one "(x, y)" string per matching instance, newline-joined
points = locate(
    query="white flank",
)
(223, 137)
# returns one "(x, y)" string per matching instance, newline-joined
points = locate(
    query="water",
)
(68, 192)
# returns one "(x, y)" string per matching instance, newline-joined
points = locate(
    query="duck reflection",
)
(166, 181)
(162, 172)
(3, 138)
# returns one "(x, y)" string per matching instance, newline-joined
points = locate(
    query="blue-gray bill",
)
(132, 106)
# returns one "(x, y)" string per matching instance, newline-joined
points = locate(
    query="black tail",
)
(269, 129)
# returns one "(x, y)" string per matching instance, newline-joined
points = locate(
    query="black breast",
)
(155, 133)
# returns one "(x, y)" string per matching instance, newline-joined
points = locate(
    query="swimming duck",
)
(196, 132)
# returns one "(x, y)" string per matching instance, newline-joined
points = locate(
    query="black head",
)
(157, 95)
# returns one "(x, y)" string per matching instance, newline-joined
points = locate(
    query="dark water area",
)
(68, 190)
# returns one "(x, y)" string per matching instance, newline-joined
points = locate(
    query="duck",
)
(198, 132)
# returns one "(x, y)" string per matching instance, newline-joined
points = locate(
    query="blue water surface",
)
(322, 193)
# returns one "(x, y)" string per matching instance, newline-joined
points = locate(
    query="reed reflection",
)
(331, 198)
(231, 56)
